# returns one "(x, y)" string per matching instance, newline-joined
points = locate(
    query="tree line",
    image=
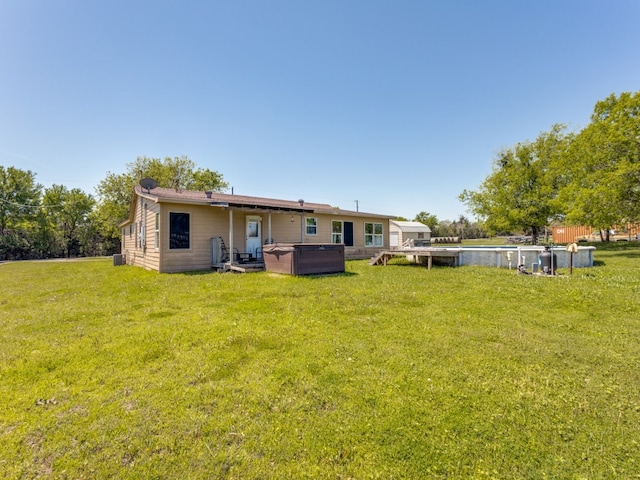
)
(54, 222)
(590, 177)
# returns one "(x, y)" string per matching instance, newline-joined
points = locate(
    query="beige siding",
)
(396, 228)
(286, 228)
(143, 226)
(204, 223)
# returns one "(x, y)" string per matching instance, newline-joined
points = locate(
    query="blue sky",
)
(398, 105)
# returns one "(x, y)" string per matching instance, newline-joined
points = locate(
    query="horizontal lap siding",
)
(204, 223)
(145, 256)
(285, 228)
(395, 228)
(151, 257)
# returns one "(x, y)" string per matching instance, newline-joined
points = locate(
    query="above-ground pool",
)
(512, 256)
(493, 256)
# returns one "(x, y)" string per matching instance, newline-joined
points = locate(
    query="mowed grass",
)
(381, 372)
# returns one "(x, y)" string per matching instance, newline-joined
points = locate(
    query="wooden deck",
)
(428, 252)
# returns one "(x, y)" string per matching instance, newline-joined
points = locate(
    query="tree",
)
(176, 172)
(19, 197)
(114, 201)
(68, 212)
(462, 227)
(520, 192)
(600, 171)
(116, 190)
(429, 220)
(19, 200)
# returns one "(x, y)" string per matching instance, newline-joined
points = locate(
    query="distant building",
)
(413, 234)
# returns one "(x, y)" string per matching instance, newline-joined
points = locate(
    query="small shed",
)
(413, 234)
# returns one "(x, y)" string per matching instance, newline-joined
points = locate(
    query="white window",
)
(143, 227)
(156, 238)
(336, 231)
(312, 225)
(142, 237)
(373, 235)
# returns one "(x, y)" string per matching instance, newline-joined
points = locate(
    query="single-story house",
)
(409, 234)
(173, 230)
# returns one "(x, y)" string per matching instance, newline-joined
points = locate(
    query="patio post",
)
(231, 235)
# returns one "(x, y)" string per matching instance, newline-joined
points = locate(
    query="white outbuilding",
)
(408, 234)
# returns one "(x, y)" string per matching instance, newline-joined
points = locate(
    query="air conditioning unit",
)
(118, 259)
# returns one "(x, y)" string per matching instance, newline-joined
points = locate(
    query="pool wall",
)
(525, 255)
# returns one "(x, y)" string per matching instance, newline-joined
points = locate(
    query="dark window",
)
(178, 230)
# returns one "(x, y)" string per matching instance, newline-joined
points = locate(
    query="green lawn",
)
(382, 372)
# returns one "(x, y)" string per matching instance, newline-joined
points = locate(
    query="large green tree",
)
(600, 171)
(116, 190)
(19, 198)
(520, 192)
(19, 204)
(69, 213)
(429, 220)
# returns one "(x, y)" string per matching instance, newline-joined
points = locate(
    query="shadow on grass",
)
(629, 254)
(196, 272)
(323, 275)
(230, 272)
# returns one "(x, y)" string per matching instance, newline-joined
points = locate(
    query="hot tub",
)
(304, 258)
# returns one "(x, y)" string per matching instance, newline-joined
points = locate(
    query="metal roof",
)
(411, 227)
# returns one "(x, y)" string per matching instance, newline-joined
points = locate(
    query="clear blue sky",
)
(397, 104)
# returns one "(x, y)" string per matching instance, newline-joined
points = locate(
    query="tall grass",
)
(382, 372)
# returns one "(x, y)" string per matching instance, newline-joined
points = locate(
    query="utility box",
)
(304, 258)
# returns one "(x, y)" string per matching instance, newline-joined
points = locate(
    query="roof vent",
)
(301, 202)
(208, 193)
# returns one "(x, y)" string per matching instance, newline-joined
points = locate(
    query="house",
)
(173, 230)
(411, 234)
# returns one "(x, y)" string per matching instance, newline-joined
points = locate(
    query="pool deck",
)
(429, 252)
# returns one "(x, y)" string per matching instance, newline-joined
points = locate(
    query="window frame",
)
(371, 238)
(156, 235)
(337, 237)
(176, 244)
(311, 229)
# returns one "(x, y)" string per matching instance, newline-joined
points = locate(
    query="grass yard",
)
(382, 372)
